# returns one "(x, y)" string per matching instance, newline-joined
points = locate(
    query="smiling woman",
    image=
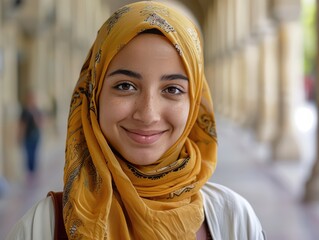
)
(142, 143)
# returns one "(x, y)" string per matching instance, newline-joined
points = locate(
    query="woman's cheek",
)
(178, 113)
(121, 107)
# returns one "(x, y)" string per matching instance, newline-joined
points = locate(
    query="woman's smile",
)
(144, 137)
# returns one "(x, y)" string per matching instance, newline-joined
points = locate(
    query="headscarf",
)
(106, 197)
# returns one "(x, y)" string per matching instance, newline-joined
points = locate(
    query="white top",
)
(229, 217)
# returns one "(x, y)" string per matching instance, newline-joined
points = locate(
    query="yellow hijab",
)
(108, 198)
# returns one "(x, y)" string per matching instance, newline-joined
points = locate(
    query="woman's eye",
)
(124, 87)
(174, 90)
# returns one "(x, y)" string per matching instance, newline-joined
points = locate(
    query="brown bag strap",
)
(59, 229)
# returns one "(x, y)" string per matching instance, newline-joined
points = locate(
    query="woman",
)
(141, 141)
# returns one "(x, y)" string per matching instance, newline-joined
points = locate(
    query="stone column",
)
(61, 65)
(231, 56)
(267, 88)
(244, 64)
(285, 146)
(38, 53)
(239, 61)
(226, 76)
(222, 60)
(13, 163)
(250, 56)
(251, 74)
(218, 92)
(234, 82)
(265, 37)
(63, 80)
(241, 78)
(210, 42)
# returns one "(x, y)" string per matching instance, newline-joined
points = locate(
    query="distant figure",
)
(30, 131)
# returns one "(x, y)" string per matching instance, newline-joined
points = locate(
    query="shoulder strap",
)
(59, 229)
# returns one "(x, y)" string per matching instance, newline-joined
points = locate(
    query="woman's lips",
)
(143, 137)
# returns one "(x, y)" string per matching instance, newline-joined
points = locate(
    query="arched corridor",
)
(254, 64)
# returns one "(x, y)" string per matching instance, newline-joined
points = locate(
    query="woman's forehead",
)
(148, 54)
(151, 46)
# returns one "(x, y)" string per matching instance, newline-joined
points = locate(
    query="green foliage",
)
(309, 35)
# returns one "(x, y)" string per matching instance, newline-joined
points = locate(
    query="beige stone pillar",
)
(61, 63)
(62, 92)
(220, 58)
(237, 33)
(13, 162)
(209, 28)
(38, 53)
(241, 82)
(267, 87)
(242, 36)
(231, 56)
(230, 14)
(219, 48)
(264, 38)
(250, 88)
(252, 15)
(226, 77)
(285, 146)
(234, 83)
(210, 42)
(218, 86)
(220, 39)
(259, 15)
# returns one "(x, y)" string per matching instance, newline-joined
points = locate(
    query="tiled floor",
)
(274, 189)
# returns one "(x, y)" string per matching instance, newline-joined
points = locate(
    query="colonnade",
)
(254, 62)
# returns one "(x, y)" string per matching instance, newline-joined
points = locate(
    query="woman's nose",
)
(147, 109)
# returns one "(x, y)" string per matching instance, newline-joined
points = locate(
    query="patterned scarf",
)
(107, 198)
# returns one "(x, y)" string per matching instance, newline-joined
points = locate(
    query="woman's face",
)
(144, 102)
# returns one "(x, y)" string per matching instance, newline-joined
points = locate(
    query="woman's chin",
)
(142, 159)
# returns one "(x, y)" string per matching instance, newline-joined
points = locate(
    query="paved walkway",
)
(273, 189)
(20, 197)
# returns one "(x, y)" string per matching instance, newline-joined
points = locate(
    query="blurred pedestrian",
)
(30, 131)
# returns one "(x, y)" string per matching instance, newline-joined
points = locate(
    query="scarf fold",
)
(105, 197)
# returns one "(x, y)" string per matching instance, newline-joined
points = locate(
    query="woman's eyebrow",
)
(126, 72)
(174, 77)
(133, 74)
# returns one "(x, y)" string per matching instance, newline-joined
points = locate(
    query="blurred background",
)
(261, 65)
